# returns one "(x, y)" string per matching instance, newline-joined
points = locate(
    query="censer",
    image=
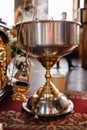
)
(47, 41)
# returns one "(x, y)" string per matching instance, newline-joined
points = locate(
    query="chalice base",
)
(49, 101)
(56, 106)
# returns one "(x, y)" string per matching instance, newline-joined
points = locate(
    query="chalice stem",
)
(48, 77)
(48, 80)
(48, 89)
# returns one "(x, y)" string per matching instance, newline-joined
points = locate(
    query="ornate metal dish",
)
(69, 109)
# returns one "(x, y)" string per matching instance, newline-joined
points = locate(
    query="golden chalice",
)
(47, 41)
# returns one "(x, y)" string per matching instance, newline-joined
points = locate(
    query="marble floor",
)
(77, 77)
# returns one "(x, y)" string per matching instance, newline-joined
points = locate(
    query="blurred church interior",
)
(76, 12)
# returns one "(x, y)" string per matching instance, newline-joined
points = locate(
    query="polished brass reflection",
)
(47, 41)
(21, 85)
(3, 64)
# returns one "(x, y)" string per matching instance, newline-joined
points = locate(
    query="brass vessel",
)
(47, 41)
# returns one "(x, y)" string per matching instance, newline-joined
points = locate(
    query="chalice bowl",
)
(48, 41)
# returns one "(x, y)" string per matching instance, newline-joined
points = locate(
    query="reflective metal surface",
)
(48, 41)
(47, 32)
(61, 105)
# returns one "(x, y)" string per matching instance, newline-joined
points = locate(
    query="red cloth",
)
(14, 117)
(9, 104)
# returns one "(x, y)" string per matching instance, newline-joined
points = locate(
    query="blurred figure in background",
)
(69, 56)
